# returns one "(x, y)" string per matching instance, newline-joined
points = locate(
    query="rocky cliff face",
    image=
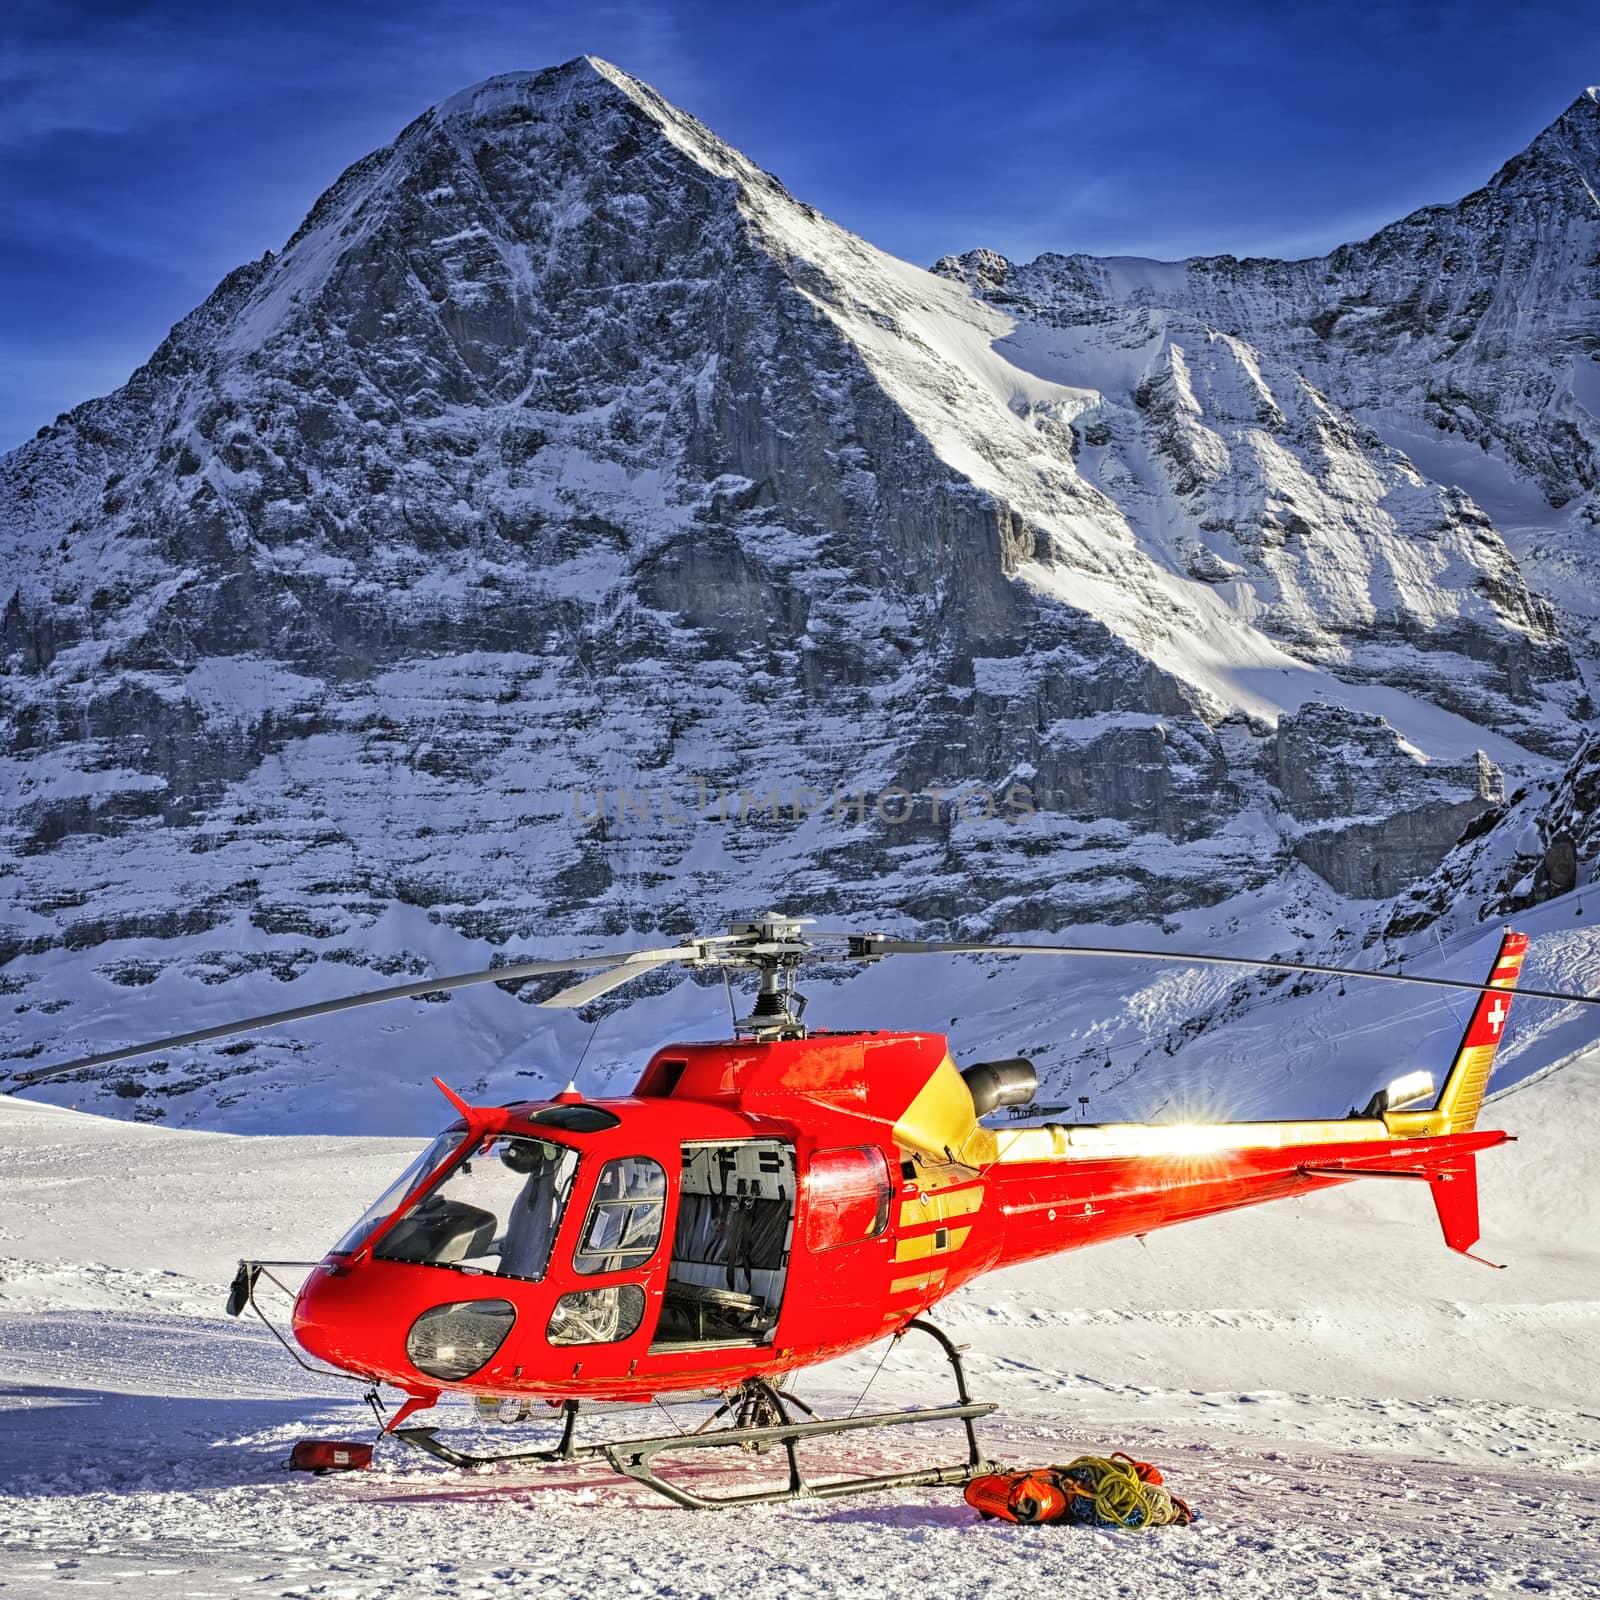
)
(1371, 825)
(571, 533)
(1542, 843)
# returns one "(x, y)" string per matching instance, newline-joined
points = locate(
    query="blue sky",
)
(145, 149)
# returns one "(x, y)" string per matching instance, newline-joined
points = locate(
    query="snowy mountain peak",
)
(614, 136)
(562, 455)
(572, 90)
(572, 94)
(1584, 107)
(1562, 164)
(545, 88)
(1462, 334)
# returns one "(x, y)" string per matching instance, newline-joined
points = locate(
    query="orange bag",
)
(1017, 1496)
(1078, 1494)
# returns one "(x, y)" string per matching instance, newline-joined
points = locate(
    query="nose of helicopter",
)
(356, 1316)
(395, 1322)
(337, 1321)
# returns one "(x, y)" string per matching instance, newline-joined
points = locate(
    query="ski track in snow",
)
(1353, 1411)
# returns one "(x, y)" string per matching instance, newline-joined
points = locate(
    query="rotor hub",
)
(772, 947)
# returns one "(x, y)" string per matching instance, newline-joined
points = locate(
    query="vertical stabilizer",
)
(1455, 1198)
(1462, 1095)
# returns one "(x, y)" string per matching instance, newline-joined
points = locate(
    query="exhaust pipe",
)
(1001, 1083)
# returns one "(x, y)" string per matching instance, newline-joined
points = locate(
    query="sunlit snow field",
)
(1354, 1410)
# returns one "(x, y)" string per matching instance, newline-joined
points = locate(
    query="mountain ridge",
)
(1459, 333)
(563, 453)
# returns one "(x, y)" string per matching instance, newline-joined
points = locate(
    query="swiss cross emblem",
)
(1497, 1015)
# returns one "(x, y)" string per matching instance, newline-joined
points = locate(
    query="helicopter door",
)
(730, 1253)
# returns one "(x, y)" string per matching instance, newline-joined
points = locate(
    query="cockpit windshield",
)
(417, 1174)
(497, 1211)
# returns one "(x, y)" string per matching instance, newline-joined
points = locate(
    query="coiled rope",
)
(1118, 1495)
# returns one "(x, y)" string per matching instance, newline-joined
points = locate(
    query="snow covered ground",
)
(1354, 1411)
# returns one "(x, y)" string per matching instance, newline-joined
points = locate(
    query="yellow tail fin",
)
(1462, 1096)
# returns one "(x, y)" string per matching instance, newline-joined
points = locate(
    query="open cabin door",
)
(731, 1248)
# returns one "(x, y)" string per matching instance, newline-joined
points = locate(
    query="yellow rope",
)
(1119, 1494)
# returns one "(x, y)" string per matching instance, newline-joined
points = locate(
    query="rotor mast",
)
(775, 949)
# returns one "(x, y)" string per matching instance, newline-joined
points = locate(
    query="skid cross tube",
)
(635, 1458)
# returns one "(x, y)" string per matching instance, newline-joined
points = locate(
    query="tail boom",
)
(1064, 1185)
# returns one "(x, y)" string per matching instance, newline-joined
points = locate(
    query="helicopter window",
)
(417, 1174)
(497, 1211)
(577, 1119)
(624, 1225)
(847, 1197)
(597, 1316)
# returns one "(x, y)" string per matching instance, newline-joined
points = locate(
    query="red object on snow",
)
(329, 1455)
(1018, 1497)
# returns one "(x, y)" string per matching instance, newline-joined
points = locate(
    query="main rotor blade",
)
(581, 994)
(369, 997)
(934, 947)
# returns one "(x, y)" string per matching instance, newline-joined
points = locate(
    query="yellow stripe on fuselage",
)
(934, 1205)
(923, 1245)
(919, 1281)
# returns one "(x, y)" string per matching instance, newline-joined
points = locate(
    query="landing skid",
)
(762, 1421)
(427, 1439)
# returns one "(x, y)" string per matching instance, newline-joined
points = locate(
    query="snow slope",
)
(1354, 1410)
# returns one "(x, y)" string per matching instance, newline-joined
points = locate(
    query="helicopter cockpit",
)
(495, 1203)
(498, 1210)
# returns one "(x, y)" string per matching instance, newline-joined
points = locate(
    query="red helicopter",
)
(762, 1204)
